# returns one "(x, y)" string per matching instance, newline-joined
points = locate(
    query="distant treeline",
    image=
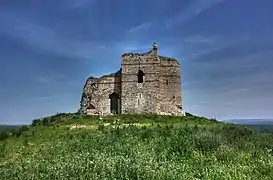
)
(9, 127)
(261, 128)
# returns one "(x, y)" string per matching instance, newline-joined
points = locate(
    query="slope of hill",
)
(135, 147)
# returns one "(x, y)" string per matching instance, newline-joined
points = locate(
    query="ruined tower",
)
(146, 83)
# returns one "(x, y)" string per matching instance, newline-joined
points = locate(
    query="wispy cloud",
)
(192, 10)
(43, 80)
(133, 46)
(251, 60)
(197, 38)
(72, 4)
(139, 28)
(198, 46)
(48, 76)
(230, 78)
(46, 38)
(55, 97)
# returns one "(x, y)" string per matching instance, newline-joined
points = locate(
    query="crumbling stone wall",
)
(96, 97)
(146, 83)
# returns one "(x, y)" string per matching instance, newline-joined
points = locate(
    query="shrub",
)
(24, 128)
(46, 121)
(36, 122)
(101, 127)
(16, 132)
(188, 114)
(3, 135)
(236, 132)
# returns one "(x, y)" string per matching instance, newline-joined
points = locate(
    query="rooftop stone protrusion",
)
(154, 50)
(154, 46)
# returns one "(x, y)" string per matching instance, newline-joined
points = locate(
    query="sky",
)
(48, 48)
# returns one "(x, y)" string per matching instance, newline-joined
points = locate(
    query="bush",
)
(236, 132)
(36, 122)
(24, 128)
(46, 121)
(188, 114)
(101, 127)
(3, 135)
(16, 132)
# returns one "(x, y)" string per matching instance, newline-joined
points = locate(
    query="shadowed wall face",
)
(170, 86)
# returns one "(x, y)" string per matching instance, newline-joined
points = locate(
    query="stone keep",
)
(146, 83)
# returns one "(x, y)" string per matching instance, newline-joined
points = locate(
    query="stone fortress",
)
(146, 83)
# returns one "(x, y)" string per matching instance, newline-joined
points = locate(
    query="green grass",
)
(135, 147)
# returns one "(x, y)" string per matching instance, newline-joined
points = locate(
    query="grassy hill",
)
(70, 146)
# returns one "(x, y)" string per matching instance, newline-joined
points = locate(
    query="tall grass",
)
(164, 148)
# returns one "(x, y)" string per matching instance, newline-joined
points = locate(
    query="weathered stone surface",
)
(146, 83)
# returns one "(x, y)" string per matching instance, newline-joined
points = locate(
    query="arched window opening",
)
(167, 82)
(140, 76)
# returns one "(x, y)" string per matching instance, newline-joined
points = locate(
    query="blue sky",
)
(49, 47)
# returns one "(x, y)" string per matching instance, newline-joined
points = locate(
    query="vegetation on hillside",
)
(71, 146)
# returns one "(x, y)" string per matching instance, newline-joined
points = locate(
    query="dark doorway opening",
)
(140, 76)
(114, 103)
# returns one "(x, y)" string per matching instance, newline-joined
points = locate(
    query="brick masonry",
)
(146, 83)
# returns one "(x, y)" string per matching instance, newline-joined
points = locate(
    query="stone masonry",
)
(146, 83)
